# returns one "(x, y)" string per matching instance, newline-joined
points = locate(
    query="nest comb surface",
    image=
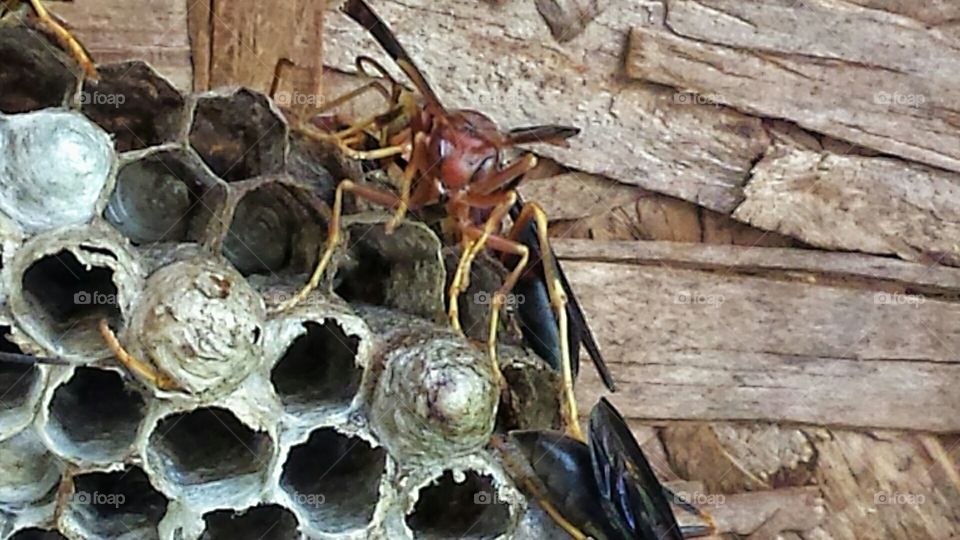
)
(180, 220)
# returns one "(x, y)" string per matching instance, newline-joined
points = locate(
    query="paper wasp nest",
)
(181, 220)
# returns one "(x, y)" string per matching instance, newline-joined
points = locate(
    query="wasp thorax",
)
(200, 323)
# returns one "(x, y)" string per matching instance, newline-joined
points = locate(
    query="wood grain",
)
(866, 76)
(116, 30)
(240, 42)
(770, 341)
(876, 205)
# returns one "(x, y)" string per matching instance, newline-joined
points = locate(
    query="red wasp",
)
(454, 158)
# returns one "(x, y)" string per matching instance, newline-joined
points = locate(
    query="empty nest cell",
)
(35, 74)
(450, 509)
(28, 471)
(120, 505)
(35, 533)
(207, 445)
(239, 136)
(268, 522)
(16, 380)
(164, 197)
(95, 416)
(319, 369)
(334, 480)
(272, 231)
(402, 270)
(135, 104)
(68, 299)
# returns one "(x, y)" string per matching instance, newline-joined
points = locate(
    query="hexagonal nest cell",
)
(95, 416)
(334, 480)
(35, 533)
(35, 75)
(319, 370)
(73, 298)
(239, 136)
(119, 505)
(451, 509)
(273, 231)
(268, 522)
(29, 472)
(207, 445)
(16, 380)
(165, 196)
(135, 104)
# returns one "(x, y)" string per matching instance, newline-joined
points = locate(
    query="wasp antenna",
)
(552, 134)
(19, 358)
(359, 11)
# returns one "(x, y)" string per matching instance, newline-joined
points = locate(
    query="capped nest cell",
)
(177, 221)
(164, 194)
(34, 75)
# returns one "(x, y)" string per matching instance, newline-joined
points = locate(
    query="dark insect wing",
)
(563, 466)
(359, 11)
(627, 485)
(536, 317)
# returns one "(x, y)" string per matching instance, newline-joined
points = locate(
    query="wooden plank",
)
(808, 266)
(504, 61)
(815, 63)
(240, 42)
(876, 205)
(876, 485)
(745, 343)
(151, 30)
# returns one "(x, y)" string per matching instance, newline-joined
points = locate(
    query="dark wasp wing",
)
(537, 323)
(563, 466)
(628, 488)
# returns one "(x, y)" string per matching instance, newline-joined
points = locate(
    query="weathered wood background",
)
(761, 217)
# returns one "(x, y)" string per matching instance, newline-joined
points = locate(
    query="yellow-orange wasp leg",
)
(373, 195)
(133, 364)
(558, 300)
(65, 38)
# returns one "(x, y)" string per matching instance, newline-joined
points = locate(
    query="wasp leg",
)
(65, 38)
(558, 299)
(416, 163)
(530, 486)
(133, 364)
(373, 195)
(458, 284)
